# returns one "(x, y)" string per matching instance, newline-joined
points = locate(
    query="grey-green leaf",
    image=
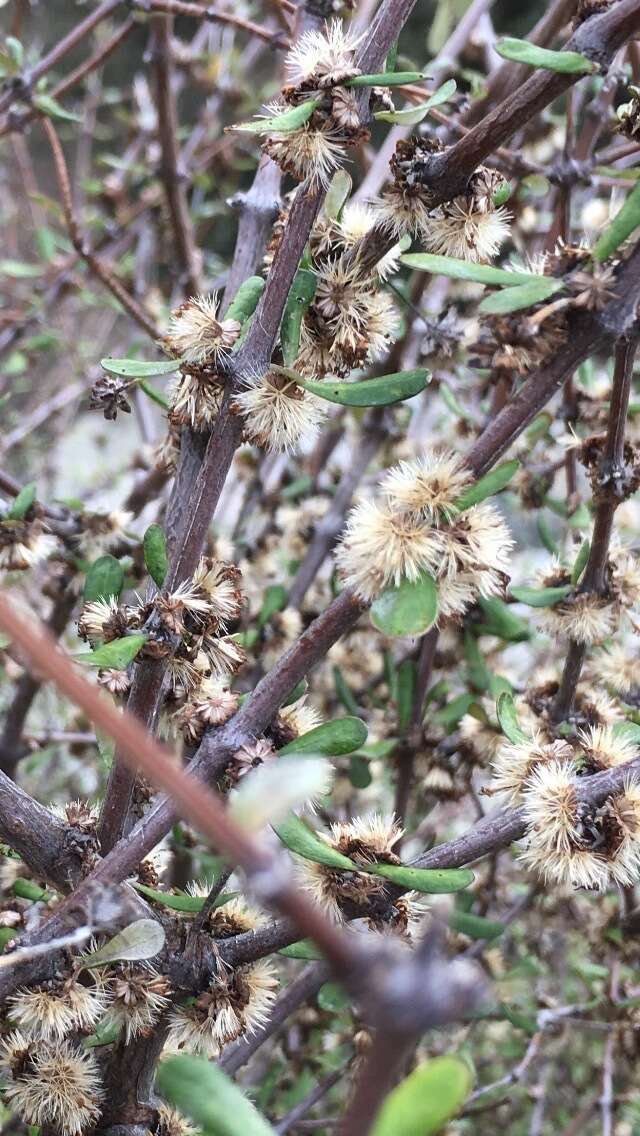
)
(541, 597)
(51, 107)
(487, 486)
(412, 115)
(564, 62)
(138, 368)
(207, 1096)
(284, 123)
(337, 194)
(521, 296)
(302, 292)
(409, 609)
(382, 391)
(246, 299)
(181, 902)
(464, 270)
(622, 226)
(386, 79)
(433, 881)
(22, 503)
(422, 1104)
(117, 654)
(105, 579)
(304, 949)
(475, 926)
(299, 838)
(154, 545)
(508, 719)
(143, 939)
(342, 735)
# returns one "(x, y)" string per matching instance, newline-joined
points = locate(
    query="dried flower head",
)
(137, 996)
(278, 414)
(56, 1085)
(429, 485)
(460, 230)
(513, 764)
(195, 399)
(365, 841)
(197, 336)
(235, 1004)
(380, 547)
(23, 544)
(56, 1008)
(602, 748)
(102, 532)
(325, 56)
(170, 1122)
(312, 152)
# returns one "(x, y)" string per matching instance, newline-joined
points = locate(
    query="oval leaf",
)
(412, 115)
(282, 123)
(305, 949)
(382, 391)
(464, 270)
(140, 940)
(409, 609)
(565, 62)
(475, 926)
(508, 719)
(207, 1096)
(105, 579)
(137, 369)
(273, 601)
(623, 224)
(581, 561)
(499, 620)
(488, 485)
(343, 735)
(22, 503)
(522, 296)
(423, 1103)
(246, 299)
(337, 194)
(299, 838)
(155, 553)
(117, 654)
(433, 881)
(386, 79)
(302, 292)
(541, 597)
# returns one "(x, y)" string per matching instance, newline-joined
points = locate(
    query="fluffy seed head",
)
(513, 764)
(308, 153)
(279, 415)
(137, 995)
(53, 1085)
(325, 55)
(55, 1009)
(23, 544)
(429, 485)
(197, 336)
(380, 547)
(460, 230)
(585, 617)
(233, 1006)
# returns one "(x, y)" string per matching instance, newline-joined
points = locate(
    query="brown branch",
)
(211, 14)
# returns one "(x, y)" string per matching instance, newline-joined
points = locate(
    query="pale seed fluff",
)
(52, 1011)
(402, 212)
(313, 153)
(602, 748)
(196, 334)
(460, 230)
(51, 1085)
(514, 763)
(327, 55)
(234, 1005)
(299, 717)
(575, 844)
(380, 547)
(23, 544)
(137, 995)
(617, 668)
(429, 485)
(356, 222)
(279, 415)
(102, 532)
(172, 1123)
(585, 617)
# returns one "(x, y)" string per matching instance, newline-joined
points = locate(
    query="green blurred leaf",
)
(283, 123)
(382, 391)
(541, 597)
(300, 296)
(564, 62)
(499, 620)
(46, 104)
(104, 580)
(333, 998)
(117, 654)
(412, 115)
(246, 299)
(405, 686)
(521, 296)
(23, 502)
(343, 692)
(337, 194)
(274, 600)
(409, 609)
(359, 772)
(475, 926)
(299, 838)
(464, 269)
(386, 79)
(154, 545)
(492, 483)
(426, 1100)
(138, 369)
(622, 226)
(207, 1096)
(581, 561)
(508, 719)
(342, 735)
(143, 939)
(433, 881)
(304, 949)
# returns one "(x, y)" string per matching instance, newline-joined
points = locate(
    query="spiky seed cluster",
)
(628, 114)
(365, 841)
(415, 526)
(469, 227)
(293, 721)
(211, 705)
(514, 764)
(55, 1009)
(197, 336)
(102, 532)
(589, 617)
(279, 415)
(248, 757)
(235, 1004)
(24, 543)
(170, 1122)
(325, 58)
(573, 843)
(617, 668)
(137, 996)
(51, 1085)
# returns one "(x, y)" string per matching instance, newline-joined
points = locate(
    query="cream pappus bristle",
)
(380, 547)
(52, 1012)
(587, 618)
(232, 1007)
(310, 153)
(603, 749)
(54, 1086)
(323, 54)
(197, 336)
(279, 415)
(430, 484)
(513, 764)
(138, 995)
(23, 544)
(459, 230)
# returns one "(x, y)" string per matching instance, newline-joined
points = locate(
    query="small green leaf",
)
(283, 123)
(405, 686)
(273, 601)
(344, 693)
(546, 536)
(15, 50)
(104, 1035)
(412, 115)
(117, 654)
(104, 580)
(143, 939)
(422, 1104)
(182, 901)
(541, 597)
(581, 561)
(246, 299)
(386, 79)
(464, 270)
(337, 194)
(299, 838)
(508, 719)
(409, 609)
(153, 394)
(564, 62)
(359, 772)
(502, 194)
(625, 221)
(19, 269)
(155, 553)
(6, 935)
(302, 292)
(629, 731)
(332, 997)
(433, 881)
(51, 107)
(521, 296)
(492, 483)
(382, 391)
(475, 926)
(456, 709)
(22, 503)
(342, 735)
(499, 620)
(138, 369)
(27, 889)
(207, 1096)
(304, 949)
